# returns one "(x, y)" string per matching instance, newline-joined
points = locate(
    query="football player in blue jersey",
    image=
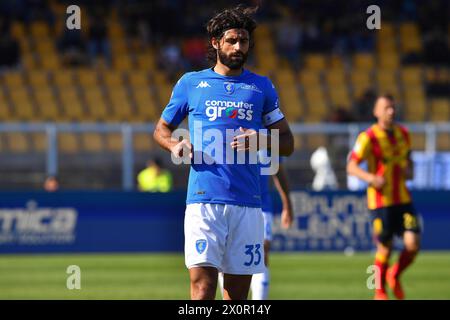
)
(224, 224)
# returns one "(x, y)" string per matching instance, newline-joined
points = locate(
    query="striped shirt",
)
(387, 154)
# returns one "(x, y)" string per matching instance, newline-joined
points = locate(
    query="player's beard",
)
(233, 64)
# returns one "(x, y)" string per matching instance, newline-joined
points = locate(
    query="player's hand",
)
(377, 182)
(242, 142)
(287, 217)
(181, 149)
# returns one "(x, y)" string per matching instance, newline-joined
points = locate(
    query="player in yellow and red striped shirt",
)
(386, 147)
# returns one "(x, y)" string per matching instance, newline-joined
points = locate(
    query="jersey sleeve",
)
(271, 108)
(361, 149)
(177, 108)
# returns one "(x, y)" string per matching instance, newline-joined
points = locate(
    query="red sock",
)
(405, 259)
(383, 265)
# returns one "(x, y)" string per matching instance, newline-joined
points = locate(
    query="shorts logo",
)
(200, 245)
(377, 226)
(409, 221)
(229, 87)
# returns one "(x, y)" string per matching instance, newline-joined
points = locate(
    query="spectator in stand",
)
(72, 47)
(289, 38)
(194, 49)
(98, 42)
(9, 47)
(171, 60)
(51, 184)
(362, 108)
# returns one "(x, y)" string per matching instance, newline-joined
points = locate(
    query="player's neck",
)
(225, 71)
(385, 126)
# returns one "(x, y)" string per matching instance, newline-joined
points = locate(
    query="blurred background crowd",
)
(121, 65)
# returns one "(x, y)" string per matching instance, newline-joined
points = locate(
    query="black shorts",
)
(394, 220)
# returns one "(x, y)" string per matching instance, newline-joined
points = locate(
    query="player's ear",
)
(215, 43)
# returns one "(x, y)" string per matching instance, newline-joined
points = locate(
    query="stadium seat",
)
(38, 78)
(87, 78)
(336, 62)
(443, 142)
(5, 111)
(387, 82)
(339, 96)
(440, 110)
(96, 105)
(112, 78)
(298, 142)
(71, 103)
(290, 103)
(315, 62)
(390, 61)
(29, 61)
(335, 77)
(317, 107)
(115, 30)
(164, 93)
(138, 78)
(418, 141)
(119, 47)
(47, 107)
(114, 142)
(39, 142)
(18, 29)
(146, 61)
(45, 47)
(415, 109)
(50, 61)
(13, 79)
(284, 77)
(121, 107)
(123, 62)
(410, 40)
(143, 142)
(411, 76)
(39, 30)
(63, 78)
(17, 142)
(23, 107)
(363, 61)
(92, 142)
(147, 108)
(360, 81)
(314, 141)
(68, 143)
(309, 79)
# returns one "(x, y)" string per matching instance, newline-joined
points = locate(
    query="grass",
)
(294, 276)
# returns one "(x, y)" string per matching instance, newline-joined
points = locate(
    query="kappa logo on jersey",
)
(230, 109)
(203, 84)
(229, 87)
(200, 245)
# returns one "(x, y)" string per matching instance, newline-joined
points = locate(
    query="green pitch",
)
(163, 276)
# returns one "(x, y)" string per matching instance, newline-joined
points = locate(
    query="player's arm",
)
(359, 153)
(286, 139)
(353, 169)
(172, 116)
(163, 135)
(281, 183)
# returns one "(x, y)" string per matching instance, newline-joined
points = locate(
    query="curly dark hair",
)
(239, 17)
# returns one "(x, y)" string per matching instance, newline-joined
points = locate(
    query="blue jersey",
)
(222, 102)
